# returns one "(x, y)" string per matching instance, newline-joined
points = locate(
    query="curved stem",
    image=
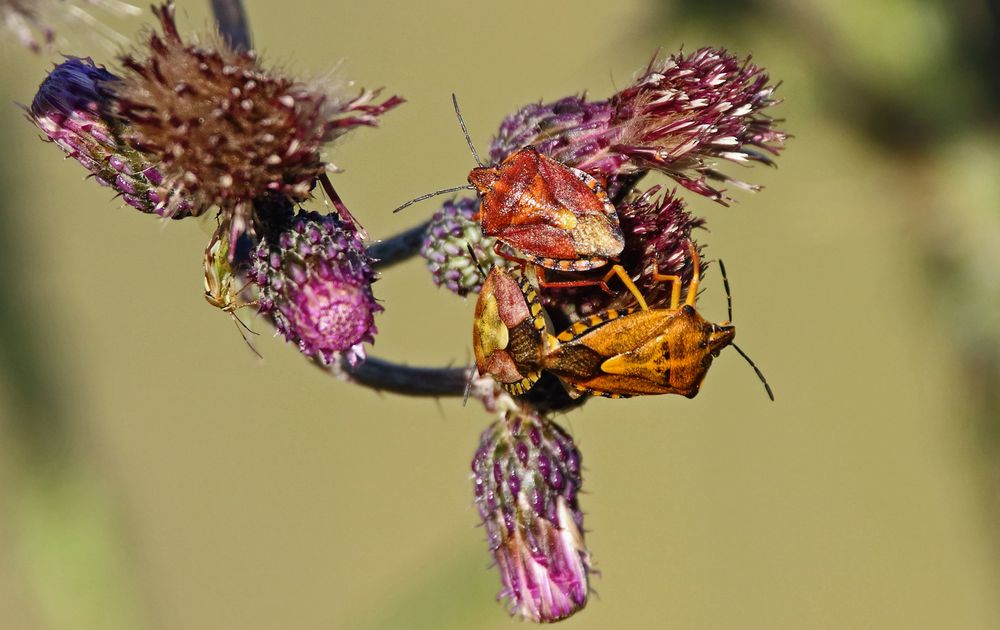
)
(398, 248)
(233, 25)
(382, 375)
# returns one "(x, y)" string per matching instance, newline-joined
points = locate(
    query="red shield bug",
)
(542, 210)
(642, 351)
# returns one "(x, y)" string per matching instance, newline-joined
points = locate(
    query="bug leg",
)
(499, 250)
(238, 322)
(241, 322)
(692, 294)
(675, 289)
(616, 270)
(627, 281)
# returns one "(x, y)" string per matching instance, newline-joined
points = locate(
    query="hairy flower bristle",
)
(73, 109)
(225, 129)
(681, 116)
(314, 281)
(526, 476)
(452, 231)
(22, 18)
(33, 22)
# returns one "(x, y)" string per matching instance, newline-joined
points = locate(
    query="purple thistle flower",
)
(73, 109)
(680, 116)
(314, 281)
(445, 248)
(225, 129)
(526, 475)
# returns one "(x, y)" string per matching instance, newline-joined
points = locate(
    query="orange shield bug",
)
(544, 211)
(643, 351)
(221, 289)
(508, 333)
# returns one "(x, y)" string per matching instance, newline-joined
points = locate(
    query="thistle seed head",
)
(225, 129)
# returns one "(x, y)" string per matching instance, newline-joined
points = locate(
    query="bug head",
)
(482, 178)
(718, 336)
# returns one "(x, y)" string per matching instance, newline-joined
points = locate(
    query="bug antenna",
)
(465, 130)
(760, 375)
(433, 194)
(729, 296)
(475, 259)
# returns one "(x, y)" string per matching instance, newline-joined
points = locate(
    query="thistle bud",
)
(225, 129)
(314, 282)
(680, 116)
(73, 109)
(446, 245)
(526, 475)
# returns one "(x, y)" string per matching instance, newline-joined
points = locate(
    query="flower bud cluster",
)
(526, 475)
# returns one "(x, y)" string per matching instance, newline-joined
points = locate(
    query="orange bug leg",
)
(616, 270)
(676, 282)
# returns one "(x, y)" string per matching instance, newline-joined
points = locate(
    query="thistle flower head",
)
(526, 475)
(225, 129)
(446, 245)
(314, 282)
(686, 111)
(680, 116)
(73, 109)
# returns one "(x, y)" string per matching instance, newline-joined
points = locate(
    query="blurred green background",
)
(155, 474)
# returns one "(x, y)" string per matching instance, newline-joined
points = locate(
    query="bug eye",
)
(687, 309)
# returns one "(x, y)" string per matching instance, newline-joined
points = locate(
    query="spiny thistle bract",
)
(224, 129)
(526, 476)
(314, 281)
(73, 108)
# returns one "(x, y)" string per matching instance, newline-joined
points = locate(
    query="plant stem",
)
(398, 248)
(233, 25)
(382, 375)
